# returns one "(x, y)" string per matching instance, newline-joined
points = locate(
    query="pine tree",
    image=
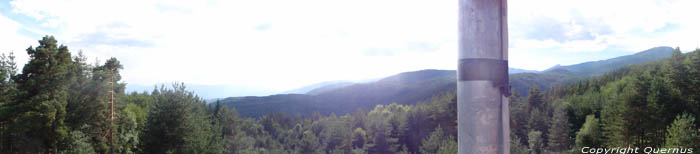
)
(559, 131)
(8, 90)
(535, 98)
(516, 147)
(8, 69)
(589, 135)
(437, 140)
(678, 73)
(179, 123)
(40, 108)
(448, 147)
(519, 116)
(310, 144)
(694, 94)
(612, 120)
(359, 138)
(536, 142)
(92, 105)
(538, 121)
(682, 133)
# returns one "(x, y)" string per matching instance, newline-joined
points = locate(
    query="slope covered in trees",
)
(654, 104)
(404, 88)
(411, 87)
(60, 104)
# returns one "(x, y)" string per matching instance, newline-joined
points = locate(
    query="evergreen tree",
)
(589, 135)
(612, 114)
(310, 144)
(559, 131)
(8, 90)
(178, 123)
(437, 140)
(359, 138)
(519, 116)
(448, 147)
(516, 147)
(92, 105)
(539, 121)
(8, 69)
(536, 142)
(39, 110)
(682, 133)
(694, 79)
(678, 72)
(535, 98)
(78, 143)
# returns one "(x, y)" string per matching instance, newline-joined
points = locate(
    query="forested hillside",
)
(654, 104)
(404, 88)
(563, 75)
(411, 87)
(60, 103)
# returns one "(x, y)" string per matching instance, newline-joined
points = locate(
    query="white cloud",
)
(12, 41)
(222, 42)
(620, 25)
(280, 44)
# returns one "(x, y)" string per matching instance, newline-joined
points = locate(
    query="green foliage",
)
(404, 88)
(536, 142)
(359, 138)
(178, 123)
(8, 69)
(39, 110)
(519, 115)
(682, 133)
(559, 131)
(589, 135)
(309, 143)
(438, 142)
(79, 144)
(516, 147)
(449, 147)
(62, 104)
(129, 129)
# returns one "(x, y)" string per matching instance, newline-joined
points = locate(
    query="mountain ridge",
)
(415, 86)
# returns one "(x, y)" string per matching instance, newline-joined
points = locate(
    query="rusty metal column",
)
(482, 86)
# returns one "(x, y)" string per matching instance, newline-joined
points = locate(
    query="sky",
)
(262, 47)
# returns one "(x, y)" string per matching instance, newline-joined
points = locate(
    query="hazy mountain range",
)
(411, 87)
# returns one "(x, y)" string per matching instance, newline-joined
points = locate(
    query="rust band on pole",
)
(482, 86)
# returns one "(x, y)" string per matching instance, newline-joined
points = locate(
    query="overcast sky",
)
(259, 47)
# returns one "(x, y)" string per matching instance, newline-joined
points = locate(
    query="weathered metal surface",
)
(494, 70)
(482, 108)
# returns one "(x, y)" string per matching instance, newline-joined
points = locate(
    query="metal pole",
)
(482, 86)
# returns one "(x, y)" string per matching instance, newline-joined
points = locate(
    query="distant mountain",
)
(209, 92)
(561, 75)
(403, 88)
(323, 85)
(595, 68)
(413, 87)
(517, 70)
(522, 82)
(329, 87)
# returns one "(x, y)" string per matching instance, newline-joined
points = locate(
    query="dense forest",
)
(654, 104)
(59, 103)
(407, 88)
